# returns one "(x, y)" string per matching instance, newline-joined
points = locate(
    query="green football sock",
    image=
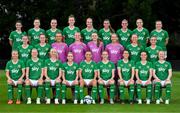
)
(81, 93)
(121, 92)
(139, 91)
(149, 91)
(112, 89)
(94, 92)
(10, 92)
(19, 95)
(47, 89)
(101, 91)
(58, 87)
(63, 91)
(40, 91)
(131, 92)
(76, 91)
(28, 91)
(168, 91)
(157, 90)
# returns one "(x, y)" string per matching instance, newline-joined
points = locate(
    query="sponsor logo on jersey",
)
(88, 38)
(87, 70)
(42, 53)
(70, 36)
(161, 69)
(35, 68)
(105, 70)
(124, 38)
(114, 52)
(153, 56)
(52, 38)
(134, 53)
(159, 38)
(15, 70)
(52, 68)
(24, 55)
(106, 38)
(95, 50)
(70, 72)
(125, 70)
(143, 72)
(36, 37)
(140, 38)
(18, 40)
(77, 51)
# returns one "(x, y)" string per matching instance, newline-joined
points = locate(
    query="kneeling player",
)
(88, 74)
(126, 75)
(162, 74)
(15, 71)
(34, 76)
(143, 76)
(106, 70)
(70, 78)
(52, 73)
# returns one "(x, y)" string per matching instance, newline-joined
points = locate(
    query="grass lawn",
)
(173, 107)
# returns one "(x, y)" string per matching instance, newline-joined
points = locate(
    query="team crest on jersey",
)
(92, 66)
(57, 64)
(109, 65)
(74, 67)
(162, 34)
(39, 63)
(128, 34)
(129, 65)
(19, 66)
(144, 33)
(148, 67)
(46, 49)
(166, 65)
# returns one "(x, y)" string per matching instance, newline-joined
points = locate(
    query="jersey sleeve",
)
(11, 36)
(169, 66)
(22, 64)
(166, 35)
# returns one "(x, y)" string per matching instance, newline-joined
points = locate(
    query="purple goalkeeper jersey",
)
(115, 52)
(78, 49)
(62, 50)
(95, 50)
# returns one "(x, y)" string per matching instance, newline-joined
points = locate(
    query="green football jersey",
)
(143, 36)
(153, 53)
(126, 69)
(53, 68)
(143, 70)
(105, 36)
(16, 38)
(35, 68)
(24, 53)
(161, 38)
(34, 35)
(86, 35)
(15, 70)
(124, 37)
(69, 34)
(88, 69)
(70, 71)
(105, 70)
(161, 69)
(134, 52)
(51, 35)
(43, 51)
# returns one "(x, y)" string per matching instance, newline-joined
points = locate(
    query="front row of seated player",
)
(58, 76)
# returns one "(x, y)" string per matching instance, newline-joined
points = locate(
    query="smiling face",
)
(70, 57)
(42, 38)
(158, 25)
(89, 23)
(14, 55)
(18, 25)
(53, 53)
(88, 55)
(59, 37)
(25, 39)
(139, 23)
(94, 36)
(124, 24)
(71, 21)
(36, 23)
(77, 36)
(114, 38)
(104, 55)
(106, 24)
(161, 55)
(125, 54)
(143, 56)
(53, 23)
(34, 53)
(134, 38)
(153, 40)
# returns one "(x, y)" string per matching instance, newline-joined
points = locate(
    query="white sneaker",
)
(157, 101)
(167, 102)
(139, 101)
(75, 101)
(63, 101)
(148, 101)
(29, 101)
(102, 101)
(38, 101)
(48, 101)
(111, 101)
(93, 102)
(81, 102)
(56, 101)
